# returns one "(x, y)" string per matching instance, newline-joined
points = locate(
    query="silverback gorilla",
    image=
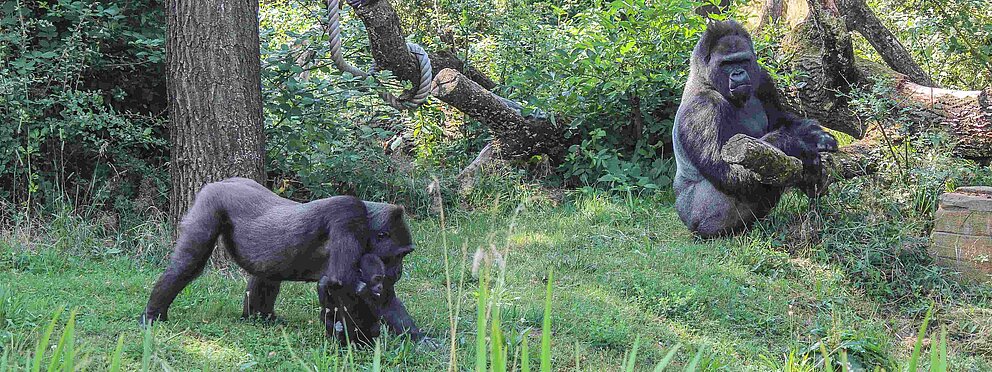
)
(727, 93)
(276, 239)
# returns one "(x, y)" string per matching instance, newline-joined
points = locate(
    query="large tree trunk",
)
(518, 137)
(825, 57)
(215, 100)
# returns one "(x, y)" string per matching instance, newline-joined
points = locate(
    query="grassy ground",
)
(624, 267)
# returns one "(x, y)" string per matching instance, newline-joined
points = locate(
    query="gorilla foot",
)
(148, 318)
(264, 318)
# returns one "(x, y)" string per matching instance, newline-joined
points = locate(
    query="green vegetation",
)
(591, 250)
(624, 270)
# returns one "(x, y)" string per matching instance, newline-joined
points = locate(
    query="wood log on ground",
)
(772, 165)
(778, 169)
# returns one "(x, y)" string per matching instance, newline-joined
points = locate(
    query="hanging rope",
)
(426, 74)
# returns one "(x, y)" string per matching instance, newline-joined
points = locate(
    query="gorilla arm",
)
(703, 130)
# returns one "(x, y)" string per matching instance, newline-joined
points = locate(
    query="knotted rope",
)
(426, 74)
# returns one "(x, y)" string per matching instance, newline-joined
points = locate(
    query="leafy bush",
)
(614, 73)
(81, 91)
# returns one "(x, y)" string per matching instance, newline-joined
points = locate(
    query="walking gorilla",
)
(727, 93)
(276, 239)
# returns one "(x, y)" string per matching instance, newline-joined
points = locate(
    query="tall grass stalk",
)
(115, 358)
(667, 359)
(524, 352)
(915, 357)
(147, 348)
(39, 351)
(546, 328)
(452, 314)
(480, 322)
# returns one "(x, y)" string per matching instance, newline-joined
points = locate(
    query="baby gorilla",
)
(276, 239)
(369, 290)
(372, 274)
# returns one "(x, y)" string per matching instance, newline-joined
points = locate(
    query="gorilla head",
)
(391, 239)
(724, 57)
(373, 273)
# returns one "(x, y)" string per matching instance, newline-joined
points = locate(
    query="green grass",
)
(624, 268)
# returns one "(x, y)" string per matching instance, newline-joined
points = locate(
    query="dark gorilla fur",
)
(728, 93)
(276, 239)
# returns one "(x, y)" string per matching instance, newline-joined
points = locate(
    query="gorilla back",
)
(727, 93)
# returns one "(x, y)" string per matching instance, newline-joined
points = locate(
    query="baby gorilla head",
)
(372, 274)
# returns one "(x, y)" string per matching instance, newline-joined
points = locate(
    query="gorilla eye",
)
(382, 235)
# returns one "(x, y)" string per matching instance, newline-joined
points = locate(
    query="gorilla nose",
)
(739, 77)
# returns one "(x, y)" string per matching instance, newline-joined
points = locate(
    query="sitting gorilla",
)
(276, 239)
(727, 93)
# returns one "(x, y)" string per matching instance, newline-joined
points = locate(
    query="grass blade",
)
(667, 359)
(377, 357)
(845, 365)
(115, 358)
(546, 328)
(914, 359)
(938, 353)
(497, 356)
(69, 334)
(480, 322)
(695, 361)
(828, 366)
(632, 358)
(524, 353)
(578, 357)
(39, 351)
(147, 348)
(3, 360)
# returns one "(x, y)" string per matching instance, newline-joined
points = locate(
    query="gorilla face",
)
(373, 273)
(732, 66)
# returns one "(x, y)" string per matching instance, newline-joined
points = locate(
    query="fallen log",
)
(774, 167)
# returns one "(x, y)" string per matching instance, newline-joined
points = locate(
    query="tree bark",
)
(518, 137)
(860, 18)
(771, 11)
(825, 58)
(214, 93)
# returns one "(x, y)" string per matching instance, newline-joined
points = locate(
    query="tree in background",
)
(215, 101)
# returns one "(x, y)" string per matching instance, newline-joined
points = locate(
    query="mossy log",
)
(775, 168)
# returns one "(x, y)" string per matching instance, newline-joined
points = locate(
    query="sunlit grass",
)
(622, 270)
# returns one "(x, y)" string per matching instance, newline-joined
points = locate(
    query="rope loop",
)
(423, 60)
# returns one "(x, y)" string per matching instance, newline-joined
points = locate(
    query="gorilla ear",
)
(396, 211)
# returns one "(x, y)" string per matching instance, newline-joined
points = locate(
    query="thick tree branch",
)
(860, 18)
(518, 137)
(824, 56)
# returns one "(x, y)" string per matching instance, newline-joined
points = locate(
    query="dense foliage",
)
(81, 100)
